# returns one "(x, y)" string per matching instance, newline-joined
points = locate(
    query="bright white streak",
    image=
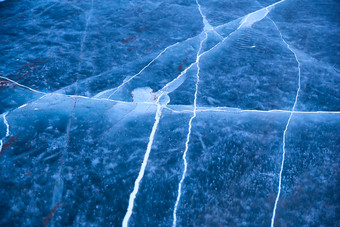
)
(6, 123)
(142, 169)
(206, 27)
(256, 16)
(24, 86)
(7, 130)
(285, 131)
(200, 109)
(237, 110)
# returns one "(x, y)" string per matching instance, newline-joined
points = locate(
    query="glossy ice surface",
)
(169, 113)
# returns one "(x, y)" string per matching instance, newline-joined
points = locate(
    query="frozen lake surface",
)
(170, 113)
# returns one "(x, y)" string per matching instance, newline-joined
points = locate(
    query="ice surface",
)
(169, 113)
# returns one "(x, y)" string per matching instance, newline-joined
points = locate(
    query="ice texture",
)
(169, 113)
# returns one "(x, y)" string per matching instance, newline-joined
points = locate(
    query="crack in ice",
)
(128, 80)
(21, 85)
(257, 15)
(247, 21)
(6, 123)
(144, 163)
(287, 125)
(187, 107)
(179, 192)
(82, 42)
(237, 110)
(207, 26)
(59, 184)
(7, 130)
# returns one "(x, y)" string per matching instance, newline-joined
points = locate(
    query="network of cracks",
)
(146, 102)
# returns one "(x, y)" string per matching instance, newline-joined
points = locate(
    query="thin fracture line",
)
(190, 124)
(165, 88)
(177, 111)
(100, 74)
(142, 169)
(160, 54)
(199, 56)
(6, 123)
(21, 85)
(70, 96)
(7, 130)
(82, 42)
(247, 15)
(52, 93)
(59, 183)
(287, 125)
(245, 18)
(267, 9)
(207, 25)
(47, 8)
(316, 112)
(116, 88)
(199, 109)
(236, 110)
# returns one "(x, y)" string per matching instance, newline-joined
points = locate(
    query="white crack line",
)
(185, 163)
(207, 26)
(237, 110)
(199, 109)
(145, 67)
(6, 123)
(144, 163)
(21, 85)
(7, 130)
(287, 125)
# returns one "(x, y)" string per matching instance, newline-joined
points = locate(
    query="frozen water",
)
(169, 113)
